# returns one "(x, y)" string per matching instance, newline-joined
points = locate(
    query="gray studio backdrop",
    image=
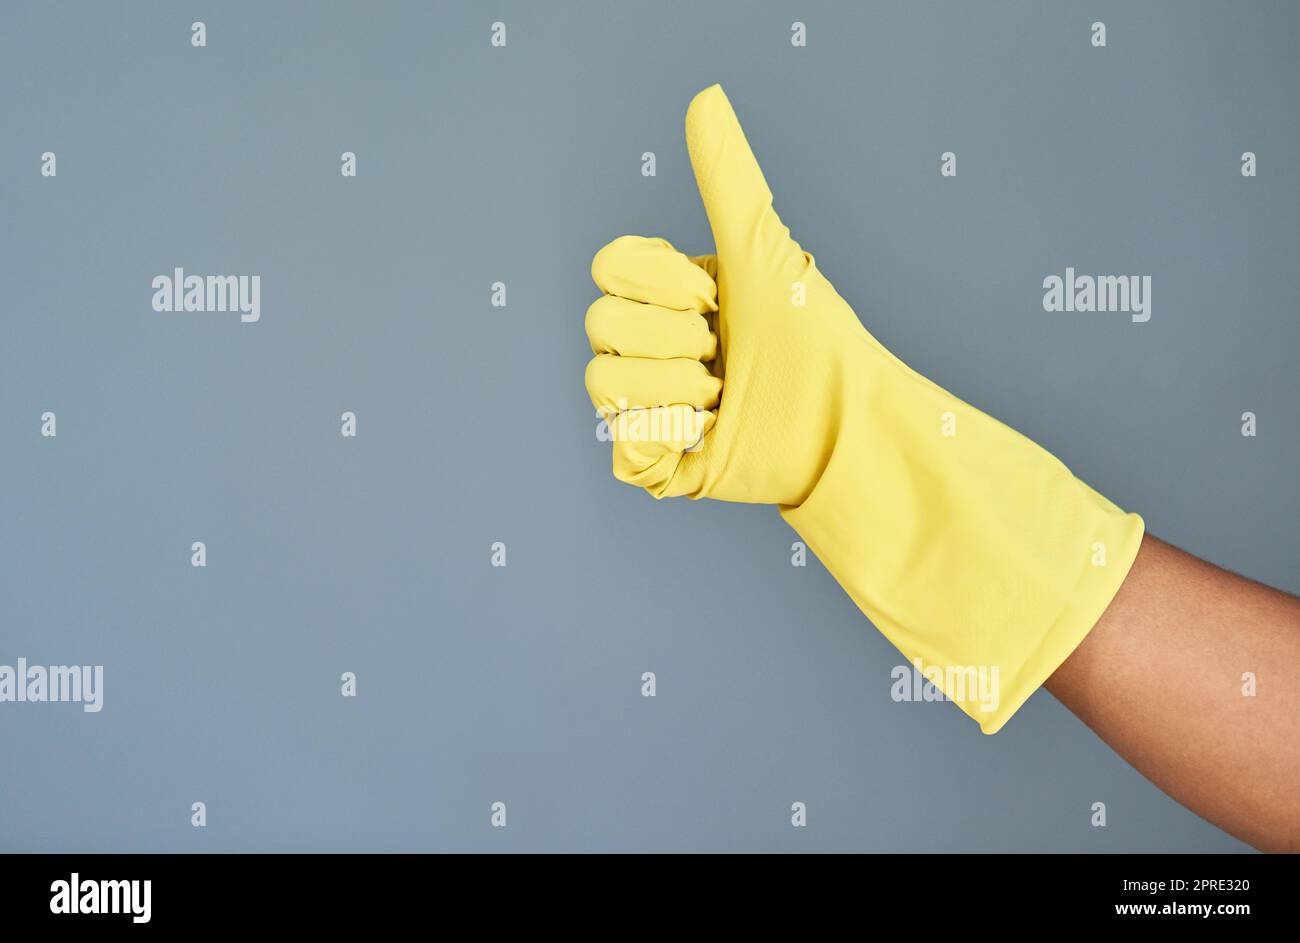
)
(522, 684)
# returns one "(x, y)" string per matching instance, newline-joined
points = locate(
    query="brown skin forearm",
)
(1160, 680)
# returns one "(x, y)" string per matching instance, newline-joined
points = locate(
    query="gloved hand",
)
(977, 553)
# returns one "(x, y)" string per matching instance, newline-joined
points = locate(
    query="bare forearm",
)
(1165, 678)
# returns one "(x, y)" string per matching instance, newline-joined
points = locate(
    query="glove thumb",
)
(746, 230)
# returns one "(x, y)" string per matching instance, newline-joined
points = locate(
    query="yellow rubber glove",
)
(977, 553)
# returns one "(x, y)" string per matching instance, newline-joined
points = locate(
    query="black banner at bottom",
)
(972, 892)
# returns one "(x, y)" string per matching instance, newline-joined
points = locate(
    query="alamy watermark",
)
(83, 684)
(1126, 293)
(181, 292)
(668, 424)
(79, 896)
(963, 683)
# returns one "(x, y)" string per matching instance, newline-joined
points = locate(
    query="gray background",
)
(372, 554)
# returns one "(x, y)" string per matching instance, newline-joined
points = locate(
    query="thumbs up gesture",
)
(744, 376)
(711, 369)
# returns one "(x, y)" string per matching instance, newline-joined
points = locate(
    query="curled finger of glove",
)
(653, 272)
(616, 383)
(633, 329)
(651, 444)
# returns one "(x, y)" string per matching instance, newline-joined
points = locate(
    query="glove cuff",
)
(971, 548)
